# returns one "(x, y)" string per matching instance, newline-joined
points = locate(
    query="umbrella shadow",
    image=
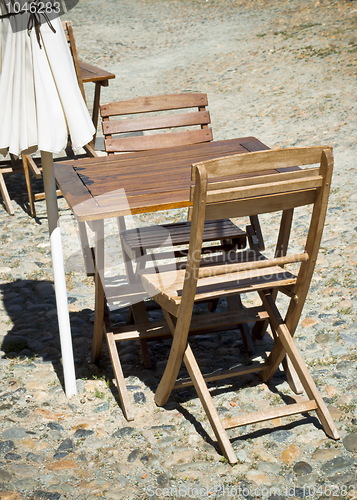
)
(33, 331)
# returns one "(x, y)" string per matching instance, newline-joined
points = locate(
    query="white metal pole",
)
(59, 274)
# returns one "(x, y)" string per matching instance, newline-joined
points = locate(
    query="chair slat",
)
(252, 265)
(272, 413)
(268, 188)
(156, 122)
(154, 103)
(156, 141)
(265, 204)
(264, 160)
(272, 176)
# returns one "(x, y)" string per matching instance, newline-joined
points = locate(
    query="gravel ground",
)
(281, 71)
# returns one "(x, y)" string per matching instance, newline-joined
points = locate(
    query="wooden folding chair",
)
(87, 73)
(153, 122)
(249, 271)
(160, 121)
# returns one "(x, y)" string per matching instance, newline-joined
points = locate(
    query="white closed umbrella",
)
(40, 105)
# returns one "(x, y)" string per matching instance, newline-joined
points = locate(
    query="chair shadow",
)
(304, 418)
(34, 332)
(16, 186)
(31, 307)
(151, 378)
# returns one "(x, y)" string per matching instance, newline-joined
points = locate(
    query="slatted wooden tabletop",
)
(145, 181)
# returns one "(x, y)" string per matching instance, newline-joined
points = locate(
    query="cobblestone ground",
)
(285, 73)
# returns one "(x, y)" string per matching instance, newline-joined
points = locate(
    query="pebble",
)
(6, 446)
(350, 442)
(15, 433)
(337, 464)
(302, 468)
(283, 72)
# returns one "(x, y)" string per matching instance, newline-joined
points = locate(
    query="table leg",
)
(99, 307)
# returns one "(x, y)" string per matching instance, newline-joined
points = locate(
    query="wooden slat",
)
(268, 188)
(271, 159)
(42, 196)
(206, 272)
(252, 180)
(167, 287)
(253, 418)
(90, 73)
(76, 192)
(154, 236)
(6, 170)
(156, 141)
(268, 203)
(154, 103)
(244, 370)
(199, 324)
(156, 122)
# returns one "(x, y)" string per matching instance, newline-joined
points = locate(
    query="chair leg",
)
(5, 195)
(309, 385)
(119, 377)
(208, 405)
(179, 352)
(291, 375)
(29, 186)
(140, 317)
(235, 302)
(174, 362)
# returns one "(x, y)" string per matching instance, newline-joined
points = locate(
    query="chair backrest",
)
(68, 30)
(166, 119)
(244, 185)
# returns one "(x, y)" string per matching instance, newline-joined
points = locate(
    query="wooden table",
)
(152, 180)
(133, 183)
(100, 78)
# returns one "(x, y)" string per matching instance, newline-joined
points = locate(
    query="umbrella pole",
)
(59, 274)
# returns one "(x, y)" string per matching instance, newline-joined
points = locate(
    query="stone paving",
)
(284, 72)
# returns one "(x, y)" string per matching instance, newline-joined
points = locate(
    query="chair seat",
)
(166, 287)
(137, 241)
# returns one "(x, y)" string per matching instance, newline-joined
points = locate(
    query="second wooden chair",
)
(149, 123)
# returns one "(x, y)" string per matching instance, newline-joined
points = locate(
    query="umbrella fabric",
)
(40, 101)
(40, 105)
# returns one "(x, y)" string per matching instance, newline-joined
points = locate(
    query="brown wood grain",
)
(90, 73)
(153, 180)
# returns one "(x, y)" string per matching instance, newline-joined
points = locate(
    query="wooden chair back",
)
(68, 30)
(167, 121)
(221, 191)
